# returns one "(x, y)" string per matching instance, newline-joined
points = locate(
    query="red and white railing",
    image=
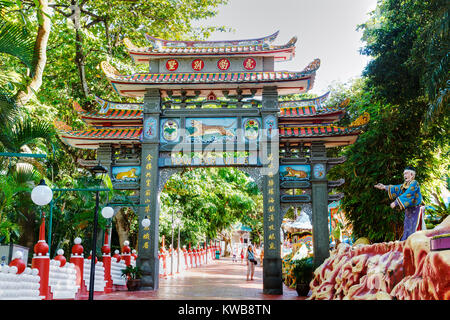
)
(57, 278)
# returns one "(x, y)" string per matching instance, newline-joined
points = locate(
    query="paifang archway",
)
(167, 173)
(220, 99)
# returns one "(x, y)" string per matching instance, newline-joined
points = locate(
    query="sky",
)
(326, 29)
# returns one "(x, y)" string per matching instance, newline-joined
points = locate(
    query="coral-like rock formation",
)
(394, 270)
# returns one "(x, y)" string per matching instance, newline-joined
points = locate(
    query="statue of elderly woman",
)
(407, 197)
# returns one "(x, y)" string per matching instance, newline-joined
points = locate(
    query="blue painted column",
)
(148, 237)
(272, 266)
(319, 196)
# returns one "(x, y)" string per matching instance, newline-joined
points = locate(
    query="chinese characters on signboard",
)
(249, 64)
(223, 64)
(271, 229)
(147, 193)
(172, 65)
(198, 64)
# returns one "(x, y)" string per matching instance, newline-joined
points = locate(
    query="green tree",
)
(80, 34)
(211, 201)
(408, 41)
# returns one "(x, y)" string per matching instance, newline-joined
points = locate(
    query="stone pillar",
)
(319, 197)
(272, 267)
(148, 260)
(104, 155)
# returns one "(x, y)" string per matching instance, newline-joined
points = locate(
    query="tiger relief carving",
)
(296, 173)
(127, 174)
(202, 129)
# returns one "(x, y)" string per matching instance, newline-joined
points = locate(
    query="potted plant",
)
(303, 271)
(133, 276)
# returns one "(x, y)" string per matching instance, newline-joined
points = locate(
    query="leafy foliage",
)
(303, 270)
(15, 40)
(394, 91)
(211, 200)
(131, 273)
(83, 33)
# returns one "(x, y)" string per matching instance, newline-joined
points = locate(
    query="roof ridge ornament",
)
(344, 103)
(109, 70)
(361, 120)
(76, 106)
(61, 125)
(292, 42)
(312, 66)
(131, 46)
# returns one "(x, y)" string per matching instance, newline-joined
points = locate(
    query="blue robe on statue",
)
(408, 197)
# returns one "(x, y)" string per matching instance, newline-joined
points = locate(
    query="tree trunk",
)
(79, 54)
(121, 226)
(227, 249)
(40, 53)
(108, 37)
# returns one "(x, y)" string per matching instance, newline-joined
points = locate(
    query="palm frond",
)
(25, 131)
(437, 83)
(438, 105)
(15, 40)
(8, 107)
(22, 177)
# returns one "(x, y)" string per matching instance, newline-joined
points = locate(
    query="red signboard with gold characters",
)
(249, 64)
(223, 64)
(198, 64)
(172, 65)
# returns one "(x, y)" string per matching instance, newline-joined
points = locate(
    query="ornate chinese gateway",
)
(220, 102)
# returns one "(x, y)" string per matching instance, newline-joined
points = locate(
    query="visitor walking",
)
(234, 254)
(251, 262)
(261, 255)
(242, 255)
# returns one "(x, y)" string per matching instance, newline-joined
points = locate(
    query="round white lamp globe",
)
(41, 194)
(107, 212)
(145, 222)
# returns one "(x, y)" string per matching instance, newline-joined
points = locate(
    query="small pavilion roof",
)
(310, 110)
(317, 102)
(157, 42)
(135, 85)
(254, 47)
(91, 138)
(331, 134)
(112, 113)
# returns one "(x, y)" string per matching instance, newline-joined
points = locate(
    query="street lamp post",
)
(177, 223)
(98, 170)
(171, 252)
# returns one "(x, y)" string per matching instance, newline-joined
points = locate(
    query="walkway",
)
(221, 280)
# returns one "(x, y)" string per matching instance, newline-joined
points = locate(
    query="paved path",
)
(221, 280)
